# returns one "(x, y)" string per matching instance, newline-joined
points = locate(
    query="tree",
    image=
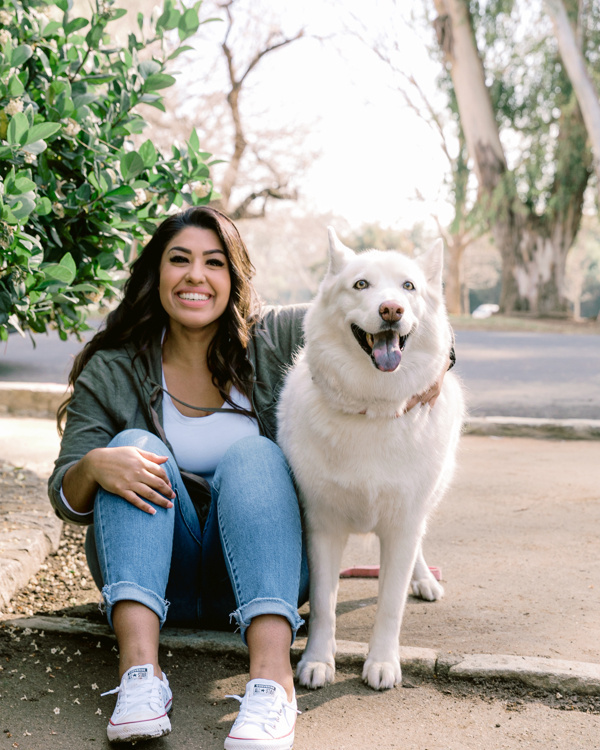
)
(76, 193)
(534, 208)
(575, 64)
(259, 160)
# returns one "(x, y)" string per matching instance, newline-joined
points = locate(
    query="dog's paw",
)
(382, 675)
(315, 674)
(427, 588)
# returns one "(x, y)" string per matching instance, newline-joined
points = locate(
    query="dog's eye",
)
(408, 285)
(361, 284)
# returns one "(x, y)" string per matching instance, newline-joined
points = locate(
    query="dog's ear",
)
(432, 262)
(339, 254)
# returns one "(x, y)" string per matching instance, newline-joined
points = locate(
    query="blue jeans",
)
(248, 560)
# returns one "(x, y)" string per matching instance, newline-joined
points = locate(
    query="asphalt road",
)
(505, 374)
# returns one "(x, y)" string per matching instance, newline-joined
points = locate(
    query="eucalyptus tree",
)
(526, 140)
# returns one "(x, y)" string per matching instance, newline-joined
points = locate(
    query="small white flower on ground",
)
(57, 710)
(14, 105)
(99, 712)
(94, 686)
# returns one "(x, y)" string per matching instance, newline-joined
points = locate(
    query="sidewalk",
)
(516, 540)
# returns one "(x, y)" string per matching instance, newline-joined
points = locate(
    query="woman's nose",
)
(196, 272)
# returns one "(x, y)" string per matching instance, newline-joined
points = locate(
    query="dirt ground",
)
(51, 685)
(516, 540)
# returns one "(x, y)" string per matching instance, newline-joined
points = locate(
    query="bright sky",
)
(375, 151)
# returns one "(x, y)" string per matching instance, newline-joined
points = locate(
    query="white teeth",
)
(193, 297)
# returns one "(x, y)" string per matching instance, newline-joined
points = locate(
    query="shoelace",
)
(257, 711)
(149, 694)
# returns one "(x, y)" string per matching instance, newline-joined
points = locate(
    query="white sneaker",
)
(266, 720)
(142, 708)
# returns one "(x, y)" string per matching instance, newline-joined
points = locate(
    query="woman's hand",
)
(431, 394)
(134, 474)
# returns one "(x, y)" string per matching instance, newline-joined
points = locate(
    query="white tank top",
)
(199, 443)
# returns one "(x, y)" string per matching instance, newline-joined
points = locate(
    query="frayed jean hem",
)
(129, 591)
(244, 615)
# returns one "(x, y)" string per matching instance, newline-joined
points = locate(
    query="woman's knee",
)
(138, 438)
(251, 456)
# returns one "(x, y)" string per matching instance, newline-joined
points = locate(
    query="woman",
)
(168, 450)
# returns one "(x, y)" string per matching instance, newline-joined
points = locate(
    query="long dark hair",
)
(140, 315)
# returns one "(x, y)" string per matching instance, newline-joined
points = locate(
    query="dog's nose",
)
(391, 311)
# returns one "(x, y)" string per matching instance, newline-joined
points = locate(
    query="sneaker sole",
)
(139, 730)
(238, 744)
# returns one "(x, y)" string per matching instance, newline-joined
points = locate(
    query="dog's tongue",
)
(386, 351)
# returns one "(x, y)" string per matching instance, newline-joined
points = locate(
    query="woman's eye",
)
(177, 259)
(215, 262)
(408, 285)
(361, 284)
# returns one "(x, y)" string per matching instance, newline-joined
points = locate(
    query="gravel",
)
(63, 584)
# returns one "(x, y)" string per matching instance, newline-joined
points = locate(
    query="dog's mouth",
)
(385, 347)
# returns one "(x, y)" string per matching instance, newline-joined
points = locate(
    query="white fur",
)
(361, 463)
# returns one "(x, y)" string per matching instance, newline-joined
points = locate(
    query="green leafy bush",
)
(76, 193)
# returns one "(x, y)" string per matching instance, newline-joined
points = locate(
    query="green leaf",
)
(42, 131)
(64, 271)
(17, 128)
(15, 87)
(194, 141)
(21, 55)
(118, 13)
(131, 165)
(188, 24)
(43, 206)
(35, 148)
(24, 184)
(121, 194)
(76, 24)
(148, 68)
(52, 28)
(179, 51)
(158, 81)
(148, 154)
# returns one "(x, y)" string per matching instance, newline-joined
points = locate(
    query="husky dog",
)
(377, 333)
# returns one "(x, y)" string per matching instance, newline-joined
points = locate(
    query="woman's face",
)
(195, 283)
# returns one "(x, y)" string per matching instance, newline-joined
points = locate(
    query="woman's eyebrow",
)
(180, 249)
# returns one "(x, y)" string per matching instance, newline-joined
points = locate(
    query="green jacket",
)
(116, 393)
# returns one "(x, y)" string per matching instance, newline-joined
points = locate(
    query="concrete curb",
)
(41, 400)
(579, 678)
(26, 539)
(31, 399)
(557, 429)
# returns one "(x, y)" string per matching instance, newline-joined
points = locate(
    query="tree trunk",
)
(454, 277)
(574, 63)
(533, 248)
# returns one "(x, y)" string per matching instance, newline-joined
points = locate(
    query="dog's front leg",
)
(317, 665)
(398, 552)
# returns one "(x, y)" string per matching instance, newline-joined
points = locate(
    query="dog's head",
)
(381, 297)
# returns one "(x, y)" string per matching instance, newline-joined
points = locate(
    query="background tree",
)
(571, 45)
(533, 201)
(260, 154)
(76, 192)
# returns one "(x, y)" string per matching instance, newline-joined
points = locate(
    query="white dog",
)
(377, 333)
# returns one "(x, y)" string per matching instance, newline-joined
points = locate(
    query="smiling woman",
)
(168, 454)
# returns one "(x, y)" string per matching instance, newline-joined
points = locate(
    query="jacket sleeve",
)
(91, 423)
(282, 331)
